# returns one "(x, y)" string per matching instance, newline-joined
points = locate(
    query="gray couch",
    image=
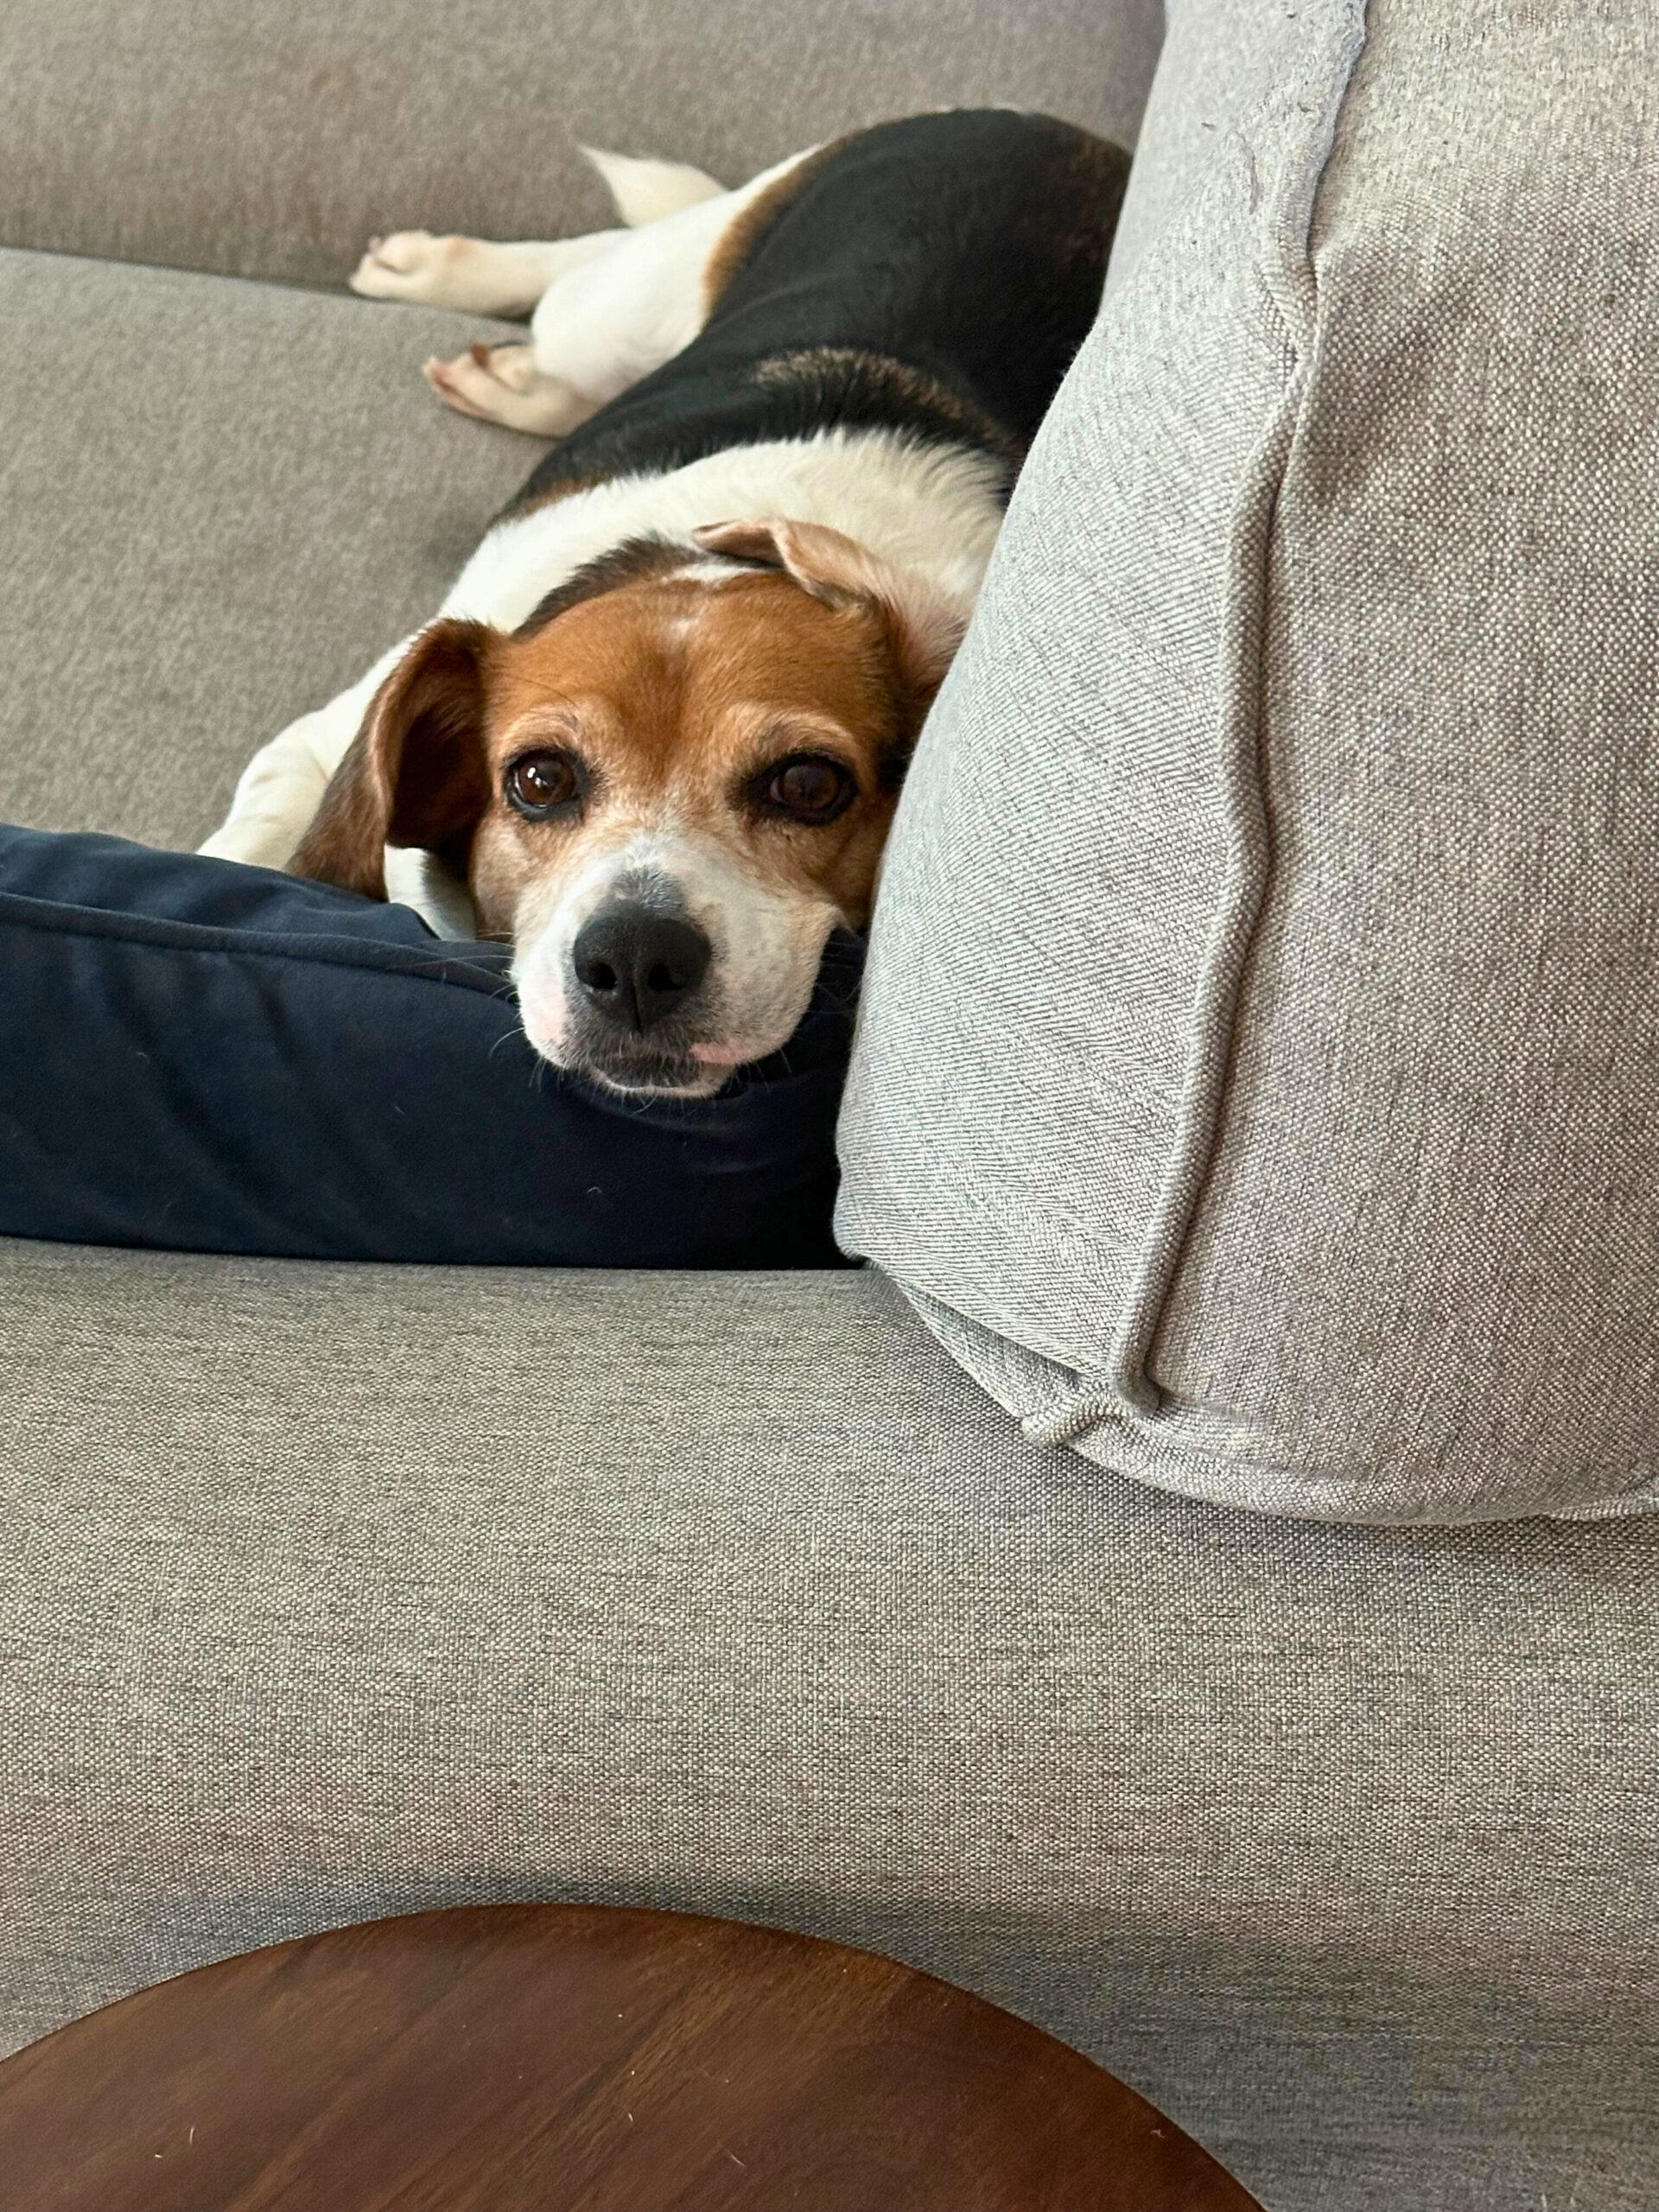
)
(334, 1592)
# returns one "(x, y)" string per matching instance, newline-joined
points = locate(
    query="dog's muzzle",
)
(672, 980)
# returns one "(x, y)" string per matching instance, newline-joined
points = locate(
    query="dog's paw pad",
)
(512, 364)
(501, 384)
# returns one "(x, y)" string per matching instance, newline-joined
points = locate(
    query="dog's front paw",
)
(411, 265)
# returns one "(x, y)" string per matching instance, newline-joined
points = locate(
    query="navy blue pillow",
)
(220, 1059)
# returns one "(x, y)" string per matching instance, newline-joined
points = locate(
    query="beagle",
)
(658, 727)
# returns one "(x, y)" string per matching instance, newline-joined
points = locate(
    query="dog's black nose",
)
(635, 966)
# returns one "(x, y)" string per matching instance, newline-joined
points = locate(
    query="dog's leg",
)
(605, 321)
(478, 277)
(281, 786)
(472, 276)
(502, 384)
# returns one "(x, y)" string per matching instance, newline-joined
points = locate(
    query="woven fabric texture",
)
(1288, 1133)
(273, 138)
(253, 495)
(329, 1593)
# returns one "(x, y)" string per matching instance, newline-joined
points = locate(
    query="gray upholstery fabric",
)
(1288, 1132)
(329, 1593)
(270, 138)
(221, 504)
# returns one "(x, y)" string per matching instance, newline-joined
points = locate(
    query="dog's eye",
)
(809, 788)
(540, 784)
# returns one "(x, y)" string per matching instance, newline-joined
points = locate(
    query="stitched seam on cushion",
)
(53, 920)
(1185, 1452)
(1288, 277)
(1187, 1473)
(1243, 901)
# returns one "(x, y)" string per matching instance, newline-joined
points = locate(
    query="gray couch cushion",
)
(270, 138)
(222, 503)
(328, 1593)
(1258, 1086)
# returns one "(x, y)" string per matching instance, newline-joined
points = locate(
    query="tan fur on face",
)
(676, 694)
(678, 686)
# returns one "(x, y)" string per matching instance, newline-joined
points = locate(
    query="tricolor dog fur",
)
(659, 725)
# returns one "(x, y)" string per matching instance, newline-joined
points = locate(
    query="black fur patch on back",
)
(933, 276)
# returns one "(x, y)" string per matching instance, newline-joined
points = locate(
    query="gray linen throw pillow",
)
(1258, 1086)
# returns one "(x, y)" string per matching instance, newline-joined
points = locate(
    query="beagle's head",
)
(665, 790)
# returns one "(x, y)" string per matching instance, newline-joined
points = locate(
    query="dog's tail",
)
(643, 190)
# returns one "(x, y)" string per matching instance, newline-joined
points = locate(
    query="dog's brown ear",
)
(416, 772)
(923, 629)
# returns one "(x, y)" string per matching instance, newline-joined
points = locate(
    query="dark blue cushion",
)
(221, 1058)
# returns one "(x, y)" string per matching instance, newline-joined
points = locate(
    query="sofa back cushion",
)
(273, 138)
(1259, 1080)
